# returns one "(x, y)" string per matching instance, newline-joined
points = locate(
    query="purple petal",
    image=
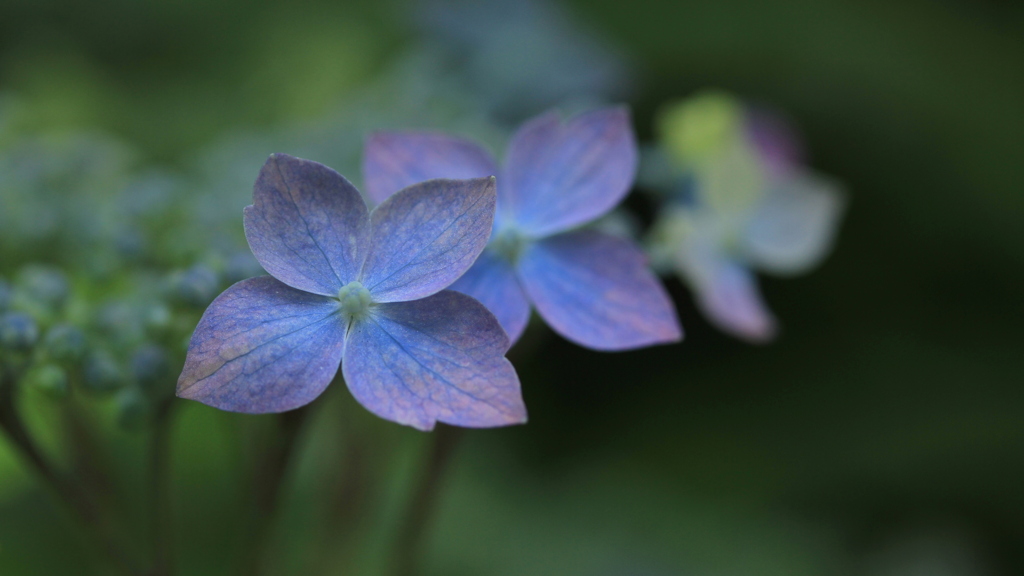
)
(396, 160)
(727, 294)
(776, 142)
(308, 226)
(492, 281)
(439, 359)
(558, 176)
(597, 291)
(426, 236)
(795, 224)
(263, 347)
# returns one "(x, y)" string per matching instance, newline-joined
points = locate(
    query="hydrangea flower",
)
(743, 202)
(592, 288)
(362, 289)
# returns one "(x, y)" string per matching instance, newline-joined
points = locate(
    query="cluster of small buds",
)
(58, 341)
(35, 339)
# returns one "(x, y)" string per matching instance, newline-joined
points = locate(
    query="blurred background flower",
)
(881, 433)
(737, 198)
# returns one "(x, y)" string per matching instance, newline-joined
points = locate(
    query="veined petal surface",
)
(439, 359)
(308, 226)
(596, 290)
(561, 175)
(492, 282)
(793, 228)
(396, 160)
(427, 235)
(263, 346)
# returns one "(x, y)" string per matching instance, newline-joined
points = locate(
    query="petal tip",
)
(760, 335)
(182, 391)
(674, 334)
(276, 157)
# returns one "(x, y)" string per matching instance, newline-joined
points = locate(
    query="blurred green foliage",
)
(883, 432)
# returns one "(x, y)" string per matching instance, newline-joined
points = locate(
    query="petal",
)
(396, 160)
(308, 226)
(439, 359)
(793, 228)
(776, 141)
(559, 176)
(597, 291)
(426, 236)
(727, 294)
(732, 182)
(263, 347)
(492, 281)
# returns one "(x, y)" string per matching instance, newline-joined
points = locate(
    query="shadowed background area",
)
(881, 434)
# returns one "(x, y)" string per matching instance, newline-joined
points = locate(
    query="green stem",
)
(346, 507)
(421, 506)
(160, 486)
(67, 492)
(271, 474)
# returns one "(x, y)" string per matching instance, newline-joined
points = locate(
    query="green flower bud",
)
(122, 323)
(101, 373)
(158, 316)
(45, 284)
(133, 410)
(48, 378)
(18, 331)
(196, 286)
(64, 343)
(151, 369)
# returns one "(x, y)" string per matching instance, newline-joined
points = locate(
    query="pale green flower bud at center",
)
(355, 301)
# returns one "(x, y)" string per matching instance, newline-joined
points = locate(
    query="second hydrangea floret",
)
(592, 288)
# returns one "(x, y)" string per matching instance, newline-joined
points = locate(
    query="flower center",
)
(509, 244)
(355, 300)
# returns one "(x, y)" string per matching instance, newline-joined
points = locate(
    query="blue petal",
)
(727, 294)
(492, 281)
(396, 160)
(793, 228)
(439, 359)
(597, 291)
(426, 236)
(558, 176)
(308, 226)
(263, 347)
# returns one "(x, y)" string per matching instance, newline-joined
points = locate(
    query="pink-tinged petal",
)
(396, 160)
(262, 347)
(597, 291)
(439, 359)
(426, 236)
(777, 143)
(793, 228)
(727, 294)
(308, 226)
(492, 281)
(561, 175)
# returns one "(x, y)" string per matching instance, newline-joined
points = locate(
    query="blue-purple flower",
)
(590, 287)
(362, 289)
(746, 203)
